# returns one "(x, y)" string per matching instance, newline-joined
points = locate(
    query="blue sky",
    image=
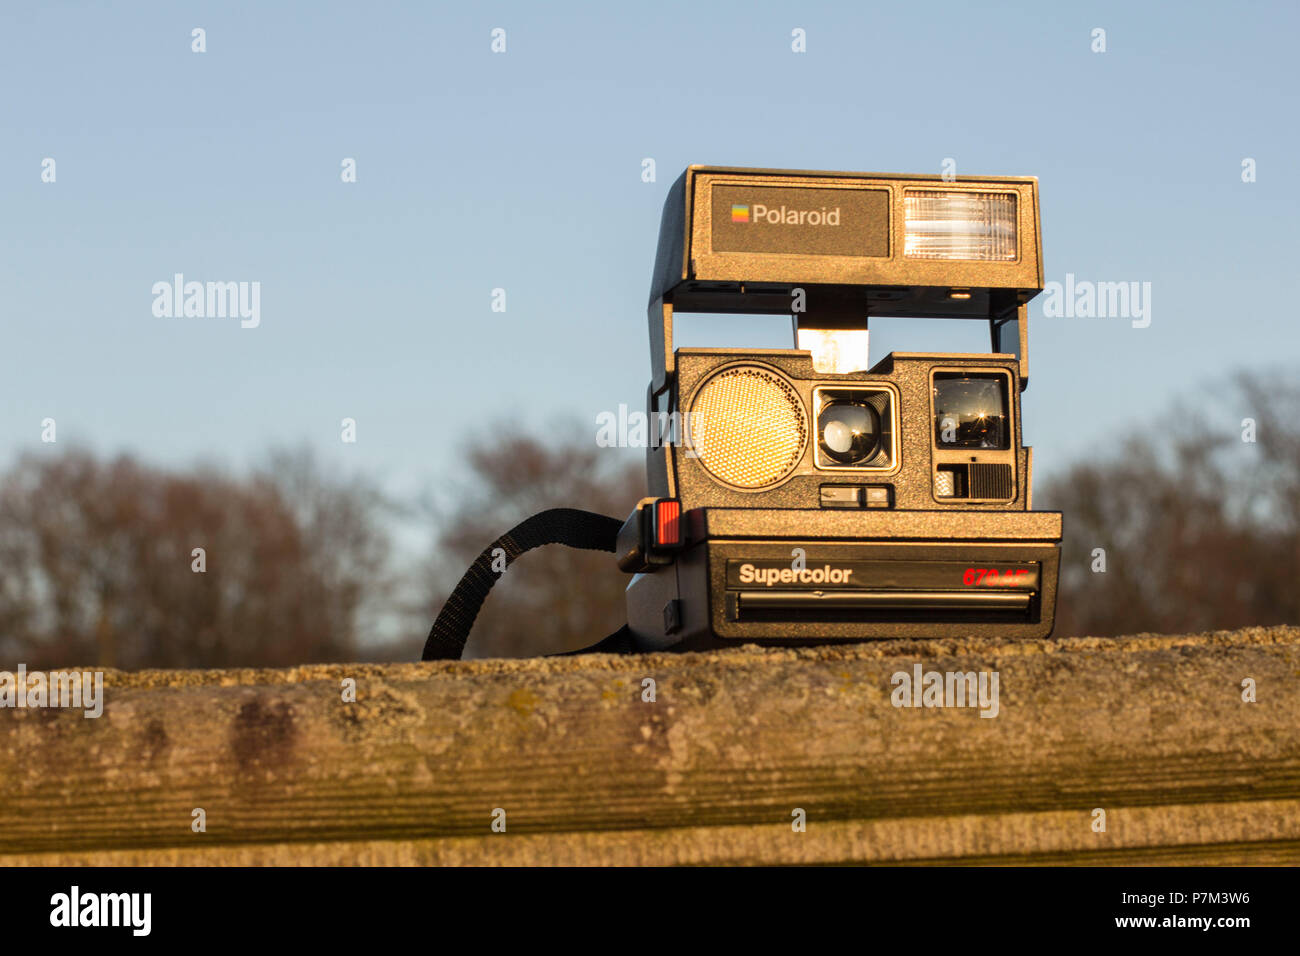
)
(522, 171)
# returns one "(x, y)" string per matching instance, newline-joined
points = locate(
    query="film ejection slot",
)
(768, 590)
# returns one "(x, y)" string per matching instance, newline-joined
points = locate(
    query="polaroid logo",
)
(208, 300)
(55, 689)
(771, 577)
(784, 215)
(102, 909)
(946, 689)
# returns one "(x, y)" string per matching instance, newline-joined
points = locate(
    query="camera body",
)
(802, 495)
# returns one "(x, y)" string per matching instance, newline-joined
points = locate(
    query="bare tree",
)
(118, 564)
(1196, 520)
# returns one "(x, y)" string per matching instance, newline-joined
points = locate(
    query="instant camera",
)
(801, 495)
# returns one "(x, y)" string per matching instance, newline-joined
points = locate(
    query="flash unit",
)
(978, 226)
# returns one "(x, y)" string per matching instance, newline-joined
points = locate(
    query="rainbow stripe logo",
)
(739, 213)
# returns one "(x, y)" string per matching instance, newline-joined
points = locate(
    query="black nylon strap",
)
(569, 526)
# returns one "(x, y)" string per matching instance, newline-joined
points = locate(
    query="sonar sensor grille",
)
(748, 427)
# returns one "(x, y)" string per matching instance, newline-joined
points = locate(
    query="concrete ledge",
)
(1152, 729)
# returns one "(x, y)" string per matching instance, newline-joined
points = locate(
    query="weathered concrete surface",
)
(1152, 729)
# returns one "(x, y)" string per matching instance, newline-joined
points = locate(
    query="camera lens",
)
(970, 411)
(848, 432)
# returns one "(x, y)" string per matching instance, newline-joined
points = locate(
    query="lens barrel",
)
(848, 432)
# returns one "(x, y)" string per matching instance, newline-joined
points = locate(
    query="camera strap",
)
(568, 526)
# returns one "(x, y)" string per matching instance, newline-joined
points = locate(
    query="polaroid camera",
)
(802, 495)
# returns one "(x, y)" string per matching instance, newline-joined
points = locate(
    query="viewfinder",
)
(970, 411)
